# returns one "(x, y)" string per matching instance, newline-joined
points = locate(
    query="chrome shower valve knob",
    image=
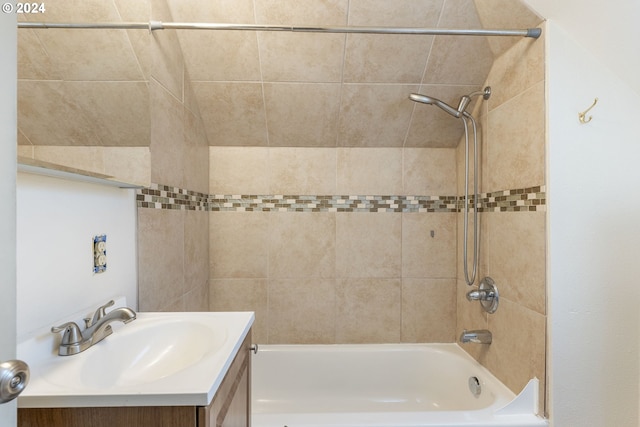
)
(487, 294)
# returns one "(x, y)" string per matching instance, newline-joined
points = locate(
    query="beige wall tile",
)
(369, 171)
(425, 256)
(302, 311)
(368, 310)
(517, 352)
(239, 170)
(457, 60)
(505, 14)
(25, 150)
(408, 13)
(90, 55)
(374, 115)
(238, 244)
(298, 171)
(197, 299)
(138, 11)
(23, 142)
(429, 171)
(218, 55)
(234, 58)
(90, 159)
(190, 101)
(160, 258)
(167, 137)
(45, 112)
(301, 12)
(33, 61)
(128, 164)
(141, 44)
(196, 154)
(302, 115)
(516, 256)
(233, 113)
(243, 295)
(302, 244)
(383, 58)
(428, 310)
(368, 245)
(223, 11)
(389, 58)
(166, 52)
(118, 111)
(301, 57)
(196, 251)
(176, 305)
(125, 164)
(517, 70)
(79, 11)
(516, 142)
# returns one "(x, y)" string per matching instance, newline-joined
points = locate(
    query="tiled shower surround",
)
(338, 268)
(329, 276)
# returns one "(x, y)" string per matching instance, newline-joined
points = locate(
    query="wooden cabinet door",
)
(231, 406)
(139, 416)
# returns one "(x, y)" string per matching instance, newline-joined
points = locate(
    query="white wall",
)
(57, 220)
(594, 240)
(8, 121)
(608, 29)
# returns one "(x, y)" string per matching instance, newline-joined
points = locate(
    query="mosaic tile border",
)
(531, 199)
(299, 203)
(165, 197)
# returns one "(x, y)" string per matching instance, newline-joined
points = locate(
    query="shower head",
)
(462, 105)
(424, 99)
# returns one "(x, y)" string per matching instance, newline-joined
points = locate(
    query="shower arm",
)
(466, 99)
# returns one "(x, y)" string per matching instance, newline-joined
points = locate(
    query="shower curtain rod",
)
(158, 25)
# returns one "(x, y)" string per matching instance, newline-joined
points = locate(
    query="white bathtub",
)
(373, 385)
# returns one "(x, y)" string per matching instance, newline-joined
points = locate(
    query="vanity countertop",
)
(159, 359)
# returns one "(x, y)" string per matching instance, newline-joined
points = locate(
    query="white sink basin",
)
(158, 359)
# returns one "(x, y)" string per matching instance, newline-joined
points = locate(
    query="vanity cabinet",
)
(230, 407)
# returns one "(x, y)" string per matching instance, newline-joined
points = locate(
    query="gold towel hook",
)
(583, 116)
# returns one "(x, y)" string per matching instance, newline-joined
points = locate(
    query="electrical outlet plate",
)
(100, 253)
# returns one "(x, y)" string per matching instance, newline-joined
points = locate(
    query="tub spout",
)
(481, 336)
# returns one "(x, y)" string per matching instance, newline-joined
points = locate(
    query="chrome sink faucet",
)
(480, 336)
(97, 328)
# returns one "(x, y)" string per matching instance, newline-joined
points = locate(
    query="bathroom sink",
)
(157, 359)
(145, 351)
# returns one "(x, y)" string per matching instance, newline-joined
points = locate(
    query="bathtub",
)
(375, 385)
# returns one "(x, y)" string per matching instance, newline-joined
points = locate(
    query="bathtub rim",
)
(526, 402)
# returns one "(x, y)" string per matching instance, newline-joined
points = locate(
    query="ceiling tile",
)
(374, 115)
(302, 115)
(385, 58)
(233, 113)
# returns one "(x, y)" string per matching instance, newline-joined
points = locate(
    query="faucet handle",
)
(100, 313)
(72, 333)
